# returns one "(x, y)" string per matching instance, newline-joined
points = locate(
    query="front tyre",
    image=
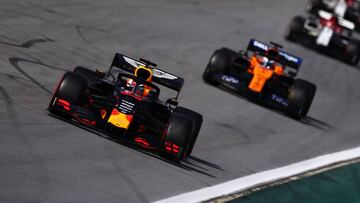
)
(72, 89)
(219, 63)
(300, 98)
(295, 28)
(181, 133)
(89, 75)
(196, 120)
(352, 53)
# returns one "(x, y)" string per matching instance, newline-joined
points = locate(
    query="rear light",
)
(87, 121)
(143, 142)
(65, 104)
(171, 147)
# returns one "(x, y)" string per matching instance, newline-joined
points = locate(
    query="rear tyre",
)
(181, 133)
(295, 28)
(72, 88)
(352, 53)
(300, 99)
(220, 62)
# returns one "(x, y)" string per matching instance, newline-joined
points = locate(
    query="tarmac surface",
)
(44, 159)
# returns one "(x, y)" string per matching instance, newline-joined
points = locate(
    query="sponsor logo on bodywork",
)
(279, 99)
(289, 57)
(161, 74)
(230, 79)
(261, 45)
(156, 72)
(282, 53)
(126, 107)
(133, 62)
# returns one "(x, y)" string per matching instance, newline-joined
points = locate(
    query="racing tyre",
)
(352, 53)
(181, 133)
(220, 62)
(197, 120)
(301, 96)
(71, 88)
(295, 28)
(89, 75)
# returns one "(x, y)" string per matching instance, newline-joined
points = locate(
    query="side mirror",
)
(100, 72)
(172, 102)
(244, 53)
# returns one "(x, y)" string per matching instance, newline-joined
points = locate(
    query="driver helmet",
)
(272, 53)
(130, 84)
(266, 63)
(133, 87)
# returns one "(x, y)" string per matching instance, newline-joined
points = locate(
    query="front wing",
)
(240, 85)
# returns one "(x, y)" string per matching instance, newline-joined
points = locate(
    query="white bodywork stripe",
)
(340, 8)
(247, 182)
(325, 36)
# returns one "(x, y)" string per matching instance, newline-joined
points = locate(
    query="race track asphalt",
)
(44, 159)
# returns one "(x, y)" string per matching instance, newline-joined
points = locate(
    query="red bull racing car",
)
(124, 103)
(326, 33)
(265, 73)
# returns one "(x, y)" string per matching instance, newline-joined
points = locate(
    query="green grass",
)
(340, 185)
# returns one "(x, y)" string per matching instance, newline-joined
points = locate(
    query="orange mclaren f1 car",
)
(124, 103)
(265, 73)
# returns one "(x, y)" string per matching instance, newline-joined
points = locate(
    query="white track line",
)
(247, 182)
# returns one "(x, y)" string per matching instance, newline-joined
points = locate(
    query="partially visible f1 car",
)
(124, 102)
(265, 73)
(347, 9)
(326, 33)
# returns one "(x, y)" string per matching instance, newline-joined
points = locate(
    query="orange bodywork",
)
(261, 74)
(147, 89)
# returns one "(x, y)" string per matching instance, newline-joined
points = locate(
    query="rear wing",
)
(285, 58)
(159, 76)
